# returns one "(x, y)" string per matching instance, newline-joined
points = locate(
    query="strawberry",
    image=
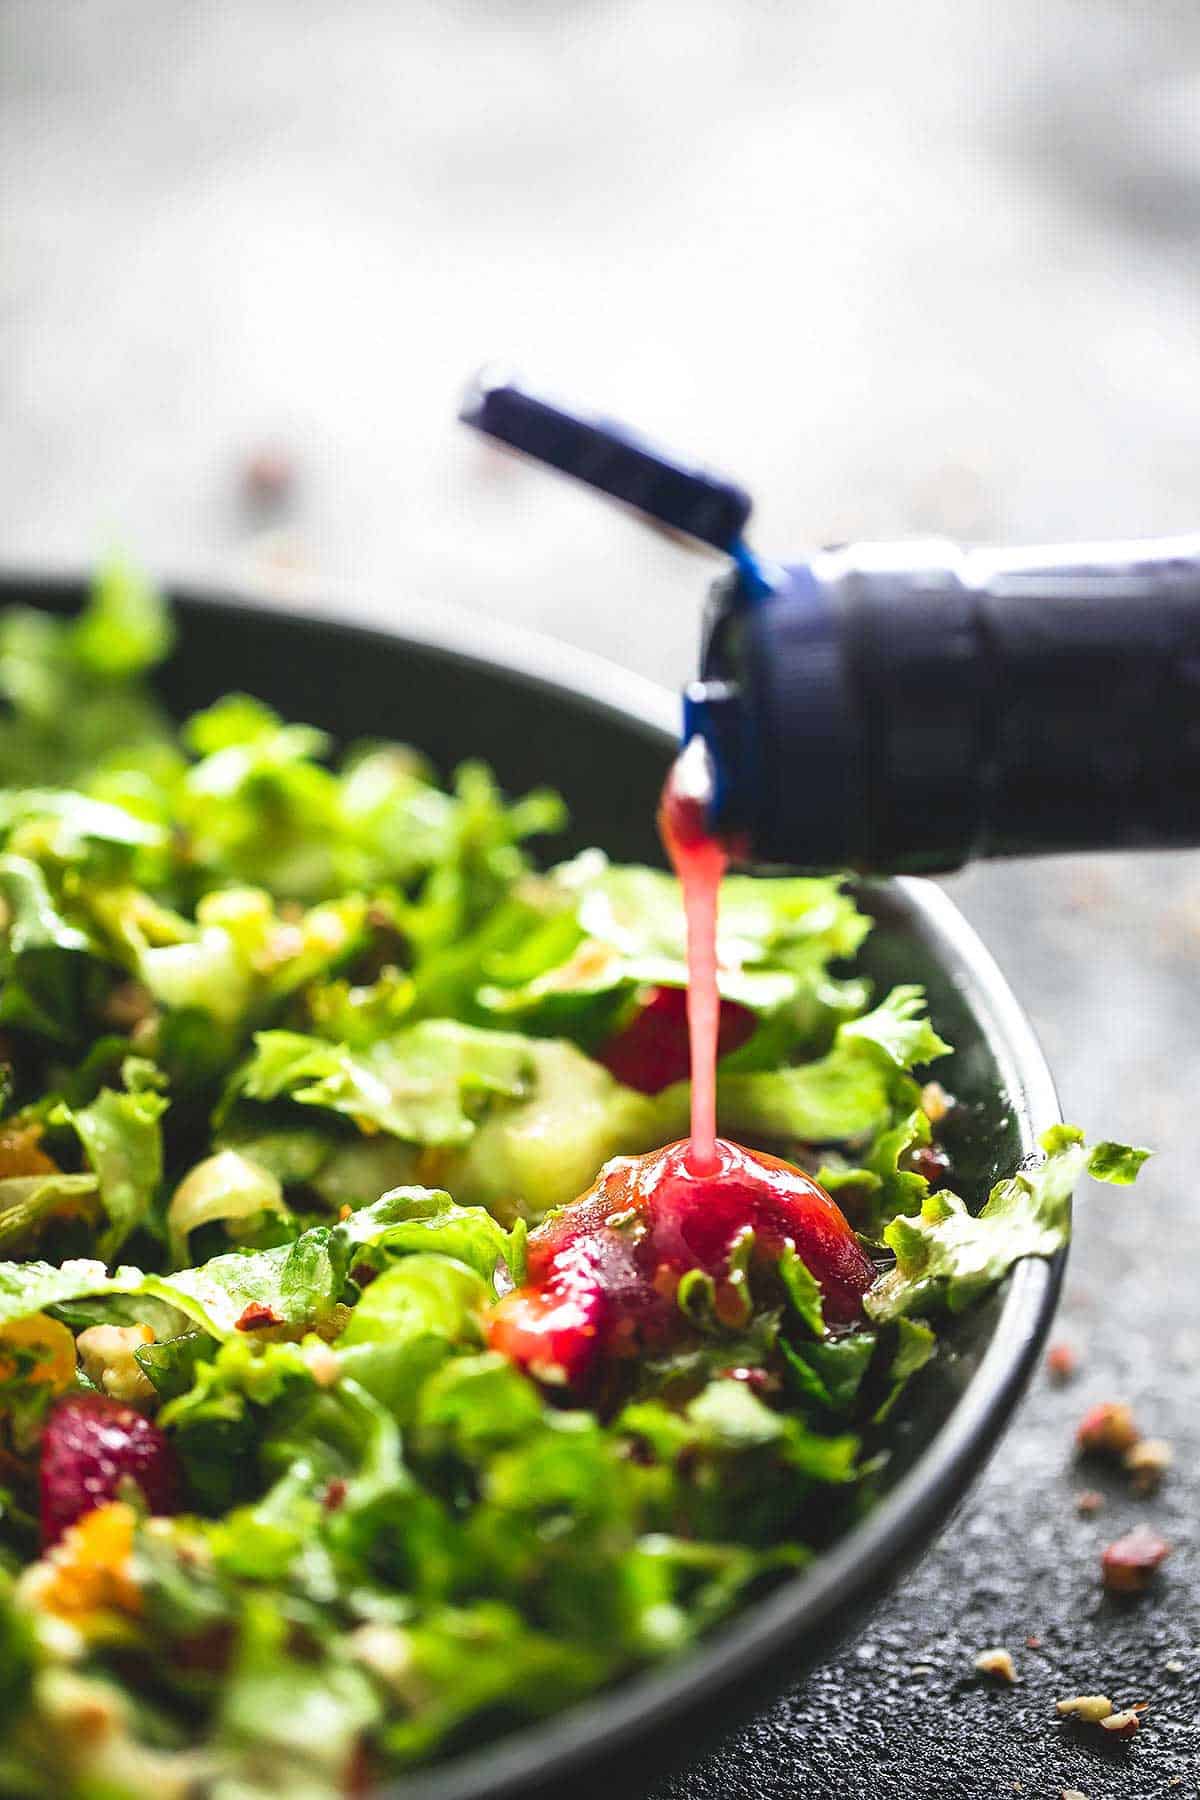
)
(652, 1050)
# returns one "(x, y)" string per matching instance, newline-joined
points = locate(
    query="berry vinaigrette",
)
(700, 860)
(603, 1273)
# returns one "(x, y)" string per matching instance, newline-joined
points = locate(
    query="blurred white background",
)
(919, 267)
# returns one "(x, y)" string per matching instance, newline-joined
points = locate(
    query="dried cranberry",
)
(91, 1445)
(932, 1163)
(256, 1316)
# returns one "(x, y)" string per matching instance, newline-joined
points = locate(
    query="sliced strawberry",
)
(652, 1050)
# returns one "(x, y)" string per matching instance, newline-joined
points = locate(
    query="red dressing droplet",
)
(700, 860)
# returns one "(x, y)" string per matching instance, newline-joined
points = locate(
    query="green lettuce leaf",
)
(776, 939)
(290, 1721)
(1116, 1163)
(125, 628)
(531, 1154)
(947, 1257)
(848, 1094)
(121, 1135)
(73, 700)
(29, 1202)
(407, 1323)
(916, 1345)
(242, 955)
(485, 1659)
(47, 973)
(414, 1220)
(228, 1187)
(423, 1085)
(299, 1284)
(519, 1124)
(78, 821)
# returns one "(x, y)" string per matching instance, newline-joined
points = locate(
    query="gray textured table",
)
(911, 268)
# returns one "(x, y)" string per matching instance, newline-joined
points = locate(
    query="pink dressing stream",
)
(699, 860)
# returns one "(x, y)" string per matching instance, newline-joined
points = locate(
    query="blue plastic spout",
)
(610, 457)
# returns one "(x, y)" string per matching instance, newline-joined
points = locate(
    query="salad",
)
(314, 1465)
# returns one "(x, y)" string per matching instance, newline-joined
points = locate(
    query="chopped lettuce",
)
(775, 944)
(48, 966)
(121, 1137)
(516, 1124)
(850, 1093)
(425, 1085)
(227, 1187)
(28, 1203)
(946, 1257)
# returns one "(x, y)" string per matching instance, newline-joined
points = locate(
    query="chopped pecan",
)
(1123, 1724)
(1147, 1462)
(1107, 1429)
(997, 1662)
(1130, 1561)
(1090, 1708)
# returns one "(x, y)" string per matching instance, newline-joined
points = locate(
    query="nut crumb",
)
(1130, 1561)
(1089, 1501)
(935, 1102)
(1147, 1462)
(1072, 1794)
(1108, 1429)
(1062, 1363)
(999, 1663)
(1176, 1666)
(1122, 1724)
(1091, 1708)
(267, 480)
(324, 1364)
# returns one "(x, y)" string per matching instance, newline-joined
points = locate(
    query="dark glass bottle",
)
(906, 708)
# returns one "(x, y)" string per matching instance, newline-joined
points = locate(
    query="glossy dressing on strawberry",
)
(603, 1275)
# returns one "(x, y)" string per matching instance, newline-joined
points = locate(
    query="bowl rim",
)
(903, 1521)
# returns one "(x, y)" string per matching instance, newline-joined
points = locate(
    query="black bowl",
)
(540, 712)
